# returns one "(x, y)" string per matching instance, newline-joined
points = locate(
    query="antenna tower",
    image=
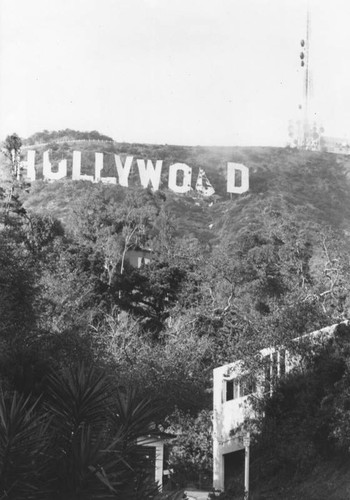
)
(304, 134)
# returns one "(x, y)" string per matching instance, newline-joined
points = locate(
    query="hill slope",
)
(292, 194)
(315, 185)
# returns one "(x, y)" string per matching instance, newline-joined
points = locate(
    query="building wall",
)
(227, 416)
(137, 258)
(231, 405)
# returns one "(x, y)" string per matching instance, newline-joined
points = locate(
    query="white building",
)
(138, 256)
(337, 145)
(232, 391)
(154, 446)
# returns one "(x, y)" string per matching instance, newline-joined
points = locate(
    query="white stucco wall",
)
(138, 257)
(229, 415)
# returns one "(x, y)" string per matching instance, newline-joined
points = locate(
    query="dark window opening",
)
(282, 362)
(233, 469)
(274, 368)
(239, 387)
(267, 373)
(149, 456)
(229, 390)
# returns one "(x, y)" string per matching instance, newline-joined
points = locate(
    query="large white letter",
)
(30, 165)
(149, 174)
(76, 175)
(123, 171)
(47, 169)
(232, 168)
(186, 181)
(98, 169)
(203, 184)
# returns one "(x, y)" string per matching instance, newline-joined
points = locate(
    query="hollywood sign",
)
(179, 175)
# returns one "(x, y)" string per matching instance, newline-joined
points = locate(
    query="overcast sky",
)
(209, 72)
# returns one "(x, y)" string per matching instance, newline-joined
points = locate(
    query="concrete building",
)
(233, 387)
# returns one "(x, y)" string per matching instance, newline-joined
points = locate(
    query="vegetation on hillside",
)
(65, 135)
(228, 276)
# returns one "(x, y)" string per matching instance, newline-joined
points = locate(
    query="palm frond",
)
(24, 438)
(79, 395)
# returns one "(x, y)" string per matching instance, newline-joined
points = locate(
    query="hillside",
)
(315, 185)
(228, 274)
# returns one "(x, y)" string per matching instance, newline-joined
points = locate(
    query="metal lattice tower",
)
(304, 133)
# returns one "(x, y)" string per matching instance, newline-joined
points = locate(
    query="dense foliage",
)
(78, 441)
(191, 457)
(306, 419)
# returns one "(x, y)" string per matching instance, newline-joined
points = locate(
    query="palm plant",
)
(95, 426)
(24, 439)
(134, 421)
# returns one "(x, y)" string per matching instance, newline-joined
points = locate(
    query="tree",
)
(12, 150)
(174, 367)
(17, 288)
(191, 456)
(108, 226)
(11, 181)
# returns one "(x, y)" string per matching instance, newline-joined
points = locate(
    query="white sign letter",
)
(98, 169)
(232, 168)
(47, 169)
(123, 171)
(203, 184)
(149, 174)
(186, 181)
(76, 175)
(30, 165)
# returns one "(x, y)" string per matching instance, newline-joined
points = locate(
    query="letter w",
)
(149, 173)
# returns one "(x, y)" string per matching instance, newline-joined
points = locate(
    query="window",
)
(142, 261)
(248, 384)
(229, 390)
(149, 455)
(239, 387)
(282, 354)
(267, 373)
(274, 368)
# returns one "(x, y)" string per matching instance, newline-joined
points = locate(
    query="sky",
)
(191, 72)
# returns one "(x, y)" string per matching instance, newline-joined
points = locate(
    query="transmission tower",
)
(304, 131)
